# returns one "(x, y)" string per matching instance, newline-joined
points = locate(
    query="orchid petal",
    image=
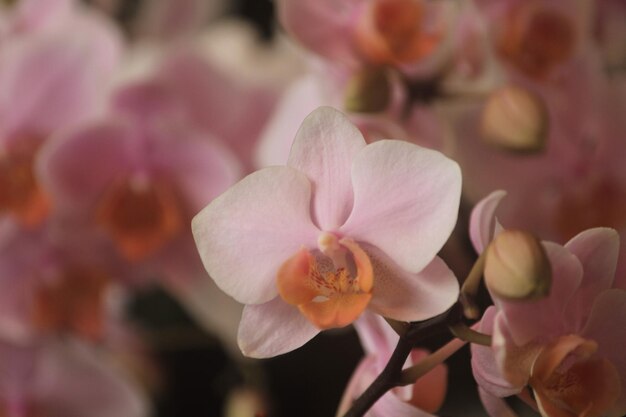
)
(77, 168)
(52, 82)
(272, 329)
(606, 327)
(247, 233)
(209, 167)
(377, 337)
(324, 26)
(406, 201)
(74, 380)
(598, 250)
(302, 97)
(482, 220)
(405, 296)
(495, 406)
(484, 366)
(323, 150)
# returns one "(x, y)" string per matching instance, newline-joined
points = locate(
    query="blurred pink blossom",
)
(568, 346)
(64, 379)
(49, 81)
(310, 245)
(137, 176)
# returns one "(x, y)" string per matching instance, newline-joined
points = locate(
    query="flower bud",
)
(515, 119)
(517, 267)
(368, 91)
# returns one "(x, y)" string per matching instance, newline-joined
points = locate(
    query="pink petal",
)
(324, 26)
(32, 15)
(246, 234)
(77, 168)
(323, 150)
(406, 201)
(202, 167)
(482, 220)
(302, 97)
(51, 82)
(598, 250)
(545, 318)
(376, 335)
(75, 379)
(514, 362)
(484, 366)
(606, 326)
(495, 406)
(406, 296)
(273, 328)
(390, 405)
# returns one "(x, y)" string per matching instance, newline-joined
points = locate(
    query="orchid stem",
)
(463, 332)
(412, 374)
(470, 288)
(400, 327)
(392, 375)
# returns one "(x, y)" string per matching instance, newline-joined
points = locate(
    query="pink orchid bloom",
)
(48, 82)
(137, 177)
(400, 33)
(225, 75)
(51, 286)
(418, 400)
(55, 379)
(568, 346)
(536, 39)
(343, 227)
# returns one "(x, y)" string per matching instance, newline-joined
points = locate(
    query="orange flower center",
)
(537, 40)
(569, 380)
(331, 289)
(20, 194)
(74, 302)
(141, 217)
(392, 32)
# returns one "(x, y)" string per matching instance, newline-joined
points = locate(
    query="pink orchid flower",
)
(69, 379)
(50, 286)
(568, 346)
(136, 177)
(400, 33)
(536, 39)
(418, 400)
(48, 82)
(341, 228)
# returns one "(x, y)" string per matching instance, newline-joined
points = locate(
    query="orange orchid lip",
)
(20, 193)
(391, 32)
(537, 40)
(140, 217)
(328, 297)
(570, 380)
(73, 302)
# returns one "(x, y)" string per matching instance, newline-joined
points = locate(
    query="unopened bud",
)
(369, 91)
(517, 267)
(515, 119)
